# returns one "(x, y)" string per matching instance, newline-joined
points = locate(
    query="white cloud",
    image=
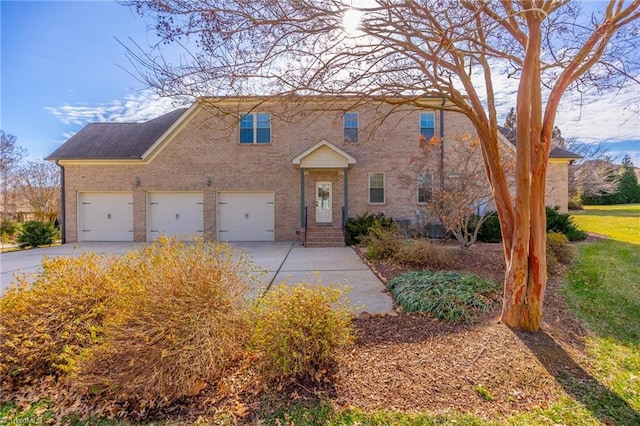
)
(141, 106)
(608, 118)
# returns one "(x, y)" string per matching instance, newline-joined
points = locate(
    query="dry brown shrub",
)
(299, 330)
(182, 328)
(48, 319)
(424, 254)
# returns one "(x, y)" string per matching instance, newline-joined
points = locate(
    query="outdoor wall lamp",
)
(208, 181)
(136, 181)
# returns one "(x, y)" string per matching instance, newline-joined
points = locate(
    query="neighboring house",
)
(557, 184)
(250, 169)
(16, 206)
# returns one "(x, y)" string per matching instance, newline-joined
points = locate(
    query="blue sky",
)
(62, 67)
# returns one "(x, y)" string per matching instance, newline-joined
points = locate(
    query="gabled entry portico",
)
(324, 185)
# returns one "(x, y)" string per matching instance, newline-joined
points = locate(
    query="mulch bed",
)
(412, 363)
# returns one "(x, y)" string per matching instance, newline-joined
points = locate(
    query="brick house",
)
(252, 169)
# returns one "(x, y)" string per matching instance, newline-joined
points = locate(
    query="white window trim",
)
(384, 190)
(344, 126)
(255, 129)
(435, 124)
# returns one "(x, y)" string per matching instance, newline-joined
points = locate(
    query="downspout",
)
(63, 227)
(444, 100)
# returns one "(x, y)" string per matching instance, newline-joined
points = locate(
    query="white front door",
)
(323, 202)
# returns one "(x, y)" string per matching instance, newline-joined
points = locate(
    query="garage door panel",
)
(176, 215)
(105, 216)
(245, 216)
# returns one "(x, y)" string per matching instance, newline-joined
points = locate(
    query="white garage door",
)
(105, 216)
(175, 214)
(245, 216)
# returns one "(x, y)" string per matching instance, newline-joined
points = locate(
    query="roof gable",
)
(323, 155)
(116, 141)
(555, 152)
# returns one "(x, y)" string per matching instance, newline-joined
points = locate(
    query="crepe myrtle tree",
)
(402, 51)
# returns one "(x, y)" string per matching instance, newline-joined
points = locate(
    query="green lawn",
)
(619, 222)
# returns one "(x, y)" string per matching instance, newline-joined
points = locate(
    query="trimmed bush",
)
(381, 242)
(46, 324)
(562, 222)
(358, 227)
(424, 254)
(35, 233)
(449, 296)
(184, 324)
(299, 331)
(490, 231)
(559, 252)
(556, 222)
(8, 229)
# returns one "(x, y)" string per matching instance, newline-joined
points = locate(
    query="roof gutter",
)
(62, 221)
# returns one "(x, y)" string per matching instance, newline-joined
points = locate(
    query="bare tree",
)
(403, 51)
(592, 175)
(454, 186)
(39, 183)
(10, 156)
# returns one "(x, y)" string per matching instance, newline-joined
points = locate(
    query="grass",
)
(618, 222)
(602, 289)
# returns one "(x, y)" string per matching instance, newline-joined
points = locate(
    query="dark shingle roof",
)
(115, 141)
(510, 134)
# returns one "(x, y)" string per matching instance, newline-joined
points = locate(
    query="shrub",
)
(46, 324)
(358, 227)
(490, 231)
(449, 296)
(424, 254)
(561, 222)
(575, 203)
(35, 233)
(556, 222)
(559, 252)
(299, 331)
(184, 325)
(381, 242)
(9, 228)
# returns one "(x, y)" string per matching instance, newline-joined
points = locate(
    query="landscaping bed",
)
(414, 363)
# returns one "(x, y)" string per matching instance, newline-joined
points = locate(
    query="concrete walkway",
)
(283, 261)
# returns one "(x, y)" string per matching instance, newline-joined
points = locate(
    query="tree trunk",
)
(526, 274)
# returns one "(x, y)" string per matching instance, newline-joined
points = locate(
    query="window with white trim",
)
(255, 128)
(427, 126)
(351, 127)
(376, 188)
(425, 188)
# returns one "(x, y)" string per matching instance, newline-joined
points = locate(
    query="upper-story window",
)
(351, 127)
(427, 125)
(376, 188)
(255, 128)
(425, 188)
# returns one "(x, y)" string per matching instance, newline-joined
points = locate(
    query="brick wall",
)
(208, 147)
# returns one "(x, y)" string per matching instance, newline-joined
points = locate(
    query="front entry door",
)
(323, 202)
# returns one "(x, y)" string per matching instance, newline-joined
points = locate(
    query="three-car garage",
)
(240, 216)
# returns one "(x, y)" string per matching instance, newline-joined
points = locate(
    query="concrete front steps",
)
(324, 236)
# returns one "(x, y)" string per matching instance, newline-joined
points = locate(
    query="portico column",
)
(302, 198)
(346, 195)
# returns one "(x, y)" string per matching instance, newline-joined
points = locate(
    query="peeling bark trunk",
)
(526, 274)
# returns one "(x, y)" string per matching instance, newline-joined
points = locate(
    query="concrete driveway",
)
(283, 261)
